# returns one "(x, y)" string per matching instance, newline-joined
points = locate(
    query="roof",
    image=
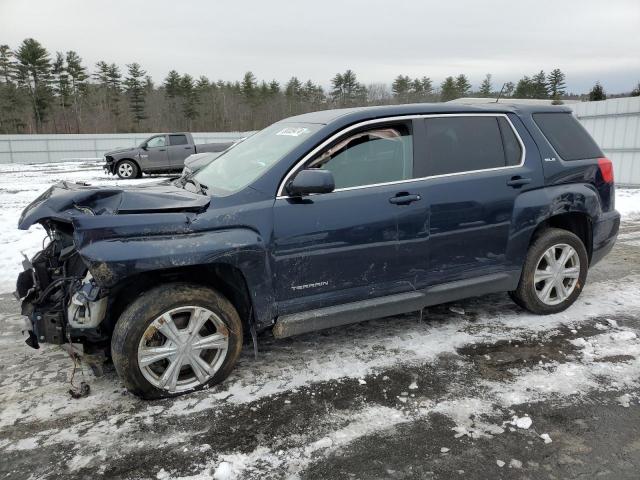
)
(366, 113)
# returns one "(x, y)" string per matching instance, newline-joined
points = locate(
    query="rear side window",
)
(464, 144)
(178, 140)
(569, 139)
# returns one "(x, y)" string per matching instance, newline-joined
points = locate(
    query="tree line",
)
(45, 93)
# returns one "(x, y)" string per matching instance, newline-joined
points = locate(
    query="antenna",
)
(501, 90)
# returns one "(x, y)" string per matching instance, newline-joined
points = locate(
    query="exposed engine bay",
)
(60, 299)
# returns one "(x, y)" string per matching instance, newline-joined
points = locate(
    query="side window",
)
(568, 137)
(369, 157)
(460, 144)
(178, 140)
(156, 142)
(512, 148)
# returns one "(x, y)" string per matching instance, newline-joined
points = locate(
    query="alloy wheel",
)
(557, 273)
(125, 170)
(183, 348)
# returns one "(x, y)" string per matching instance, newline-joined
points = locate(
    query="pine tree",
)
(114, 88)
(524, 88)
(540, 87)
(248, 87)
(7, 65)
(556, 85)
(190, 98)
(425, 90)
(274, 87)
(346, 90)
(462, 86)
(486, 89)
(401, 87)
(11, 100)
(61, 84)
(100, 75)
(34, 74)
(134, 85)
(448, 90)
(293, 88)
(597, 93)
(636, 91)
(77, 74)
(171, 84)
(203, 83)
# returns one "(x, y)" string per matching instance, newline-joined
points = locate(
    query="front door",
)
(341, 247)
(156, 152)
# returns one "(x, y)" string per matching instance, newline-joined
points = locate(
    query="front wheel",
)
(176, 338)
(127, 169)
(554, 273)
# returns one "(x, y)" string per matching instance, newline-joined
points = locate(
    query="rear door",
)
(471, 168)
(179, 149)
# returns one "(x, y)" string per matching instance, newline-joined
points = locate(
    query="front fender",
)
(112, 260)
(533, 207)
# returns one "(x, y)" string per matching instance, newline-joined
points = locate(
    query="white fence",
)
(63, 147)
(615, 125)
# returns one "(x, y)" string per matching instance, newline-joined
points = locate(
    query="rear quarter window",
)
(569, 139)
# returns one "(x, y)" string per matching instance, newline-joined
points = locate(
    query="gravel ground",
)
(477, 389)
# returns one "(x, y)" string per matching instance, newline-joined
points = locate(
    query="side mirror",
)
(144, 146)
(311, 181)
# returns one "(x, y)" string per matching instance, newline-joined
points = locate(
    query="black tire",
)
(123, 167)
(137, 317)
(525, 295)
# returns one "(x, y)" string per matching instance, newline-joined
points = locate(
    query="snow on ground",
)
(628, 202)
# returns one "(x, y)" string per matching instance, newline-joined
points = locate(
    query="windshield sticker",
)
(293, 131)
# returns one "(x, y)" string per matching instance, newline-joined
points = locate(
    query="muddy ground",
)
(478, 389)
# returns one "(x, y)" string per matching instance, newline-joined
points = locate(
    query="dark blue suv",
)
(318, 221)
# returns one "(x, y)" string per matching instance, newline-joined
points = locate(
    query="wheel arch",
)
(223, 277)
(573, 207)
(578, 223)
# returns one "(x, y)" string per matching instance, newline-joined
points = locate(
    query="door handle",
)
(162, 149)
(518, 181)
(187, 148)
(405, 198)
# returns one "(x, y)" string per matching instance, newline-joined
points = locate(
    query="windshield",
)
(246, 161)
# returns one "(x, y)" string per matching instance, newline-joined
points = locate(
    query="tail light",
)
(606, 169)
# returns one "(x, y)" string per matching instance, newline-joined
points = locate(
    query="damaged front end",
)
(64, 292)
(60, 299)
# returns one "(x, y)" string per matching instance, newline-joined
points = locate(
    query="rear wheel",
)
(127, 169)
(174, 339)
(554, 273)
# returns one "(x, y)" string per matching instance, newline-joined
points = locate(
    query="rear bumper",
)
(605, 233)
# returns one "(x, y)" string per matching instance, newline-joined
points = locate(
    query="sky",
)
(590, 40)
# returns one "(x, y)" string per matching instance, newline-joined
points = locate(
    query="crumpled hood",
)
(67, 200)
